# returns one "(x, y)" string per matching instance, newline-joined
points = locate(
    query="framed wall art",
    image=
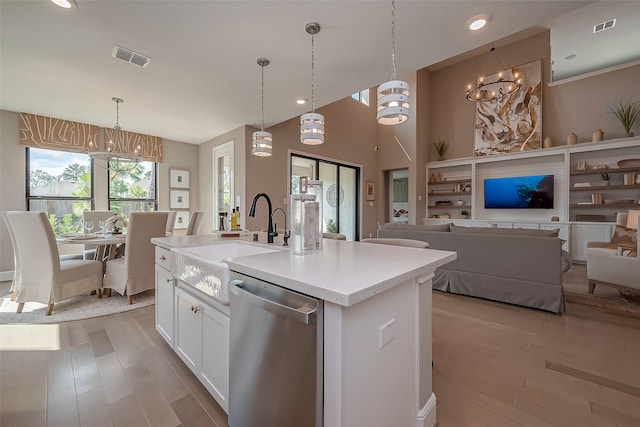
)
(179, 178)
(182, 220)
(370, 190)
(179, 199)
(513, 123)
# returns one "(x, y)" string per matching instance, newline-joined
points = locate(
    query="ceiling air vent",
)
(130, 56)
(604, 25)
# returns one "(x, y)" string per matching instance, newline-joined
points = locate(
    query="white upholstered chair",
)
(194, 223)
(43, 277)
(134, 273)
(171, 222)
(606, 266)
(95, 216)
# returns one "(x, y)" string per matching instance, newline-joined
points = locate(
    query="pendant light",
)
(393, 96)
(494, 87)
(312, 124)
(262, 141)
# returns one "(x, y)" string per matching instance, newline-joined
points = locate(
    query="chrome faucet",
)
(286, 233)
(252, 213)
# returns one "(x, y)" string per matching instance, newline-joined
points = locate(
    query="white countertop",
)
(344, 272)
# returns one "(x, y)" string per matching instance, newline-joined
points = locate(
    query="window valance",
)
(65, 135)
(56, 134)
(150, 147)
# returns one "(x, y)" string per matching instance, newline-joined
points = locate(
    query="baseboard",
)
(6, 276)
(427, 414)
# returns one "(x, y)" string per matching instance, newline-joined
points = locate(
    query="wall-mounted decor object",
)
(511, 123)
(179, 178)
(179, 199)
(182, 220)
(370, 190)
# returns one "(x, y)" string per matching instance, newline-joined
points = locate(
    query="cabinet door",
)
(583, 233)
(188, 330)
(215, 355)
(164, 304)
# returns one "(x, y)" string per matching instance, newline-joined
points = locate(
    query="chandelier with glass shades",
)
(113, 158)
(393, 96)
(262, 141)
(494, 86)
(312, 124)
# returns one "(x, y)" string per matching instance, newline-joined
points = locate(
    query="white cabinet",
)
(165, 289)
(581, 233)
(202, 342)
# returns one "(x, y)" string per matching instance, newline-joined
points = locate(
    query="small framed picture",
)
(179, 178)
(370, 190)
(182, 220)
(179, 199)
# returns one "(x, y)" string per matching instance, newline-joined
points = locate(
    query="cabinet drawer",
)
(163, 258)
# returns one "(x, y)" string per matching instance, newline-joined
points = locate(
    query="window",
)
(59, 183)
(340, 185)
(362, 96)
(132, 187)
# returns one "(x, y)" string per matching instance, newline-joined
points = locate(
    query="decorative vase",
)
(572, 139)
(605, 182)
(547, 142)
(598, 135)
(628, 134)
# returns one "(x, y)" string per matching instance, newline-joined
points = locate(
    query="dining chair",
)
(171, 222)
(95, 216)
(42, 276)
(194, 223)
(134, 272)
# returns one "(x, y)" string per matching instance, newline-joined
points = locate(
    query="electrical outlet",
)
(386, 334)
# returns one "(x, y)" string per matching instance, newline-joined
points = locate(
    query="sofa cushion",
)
(506, 231)
(426, 227)
(623, 235)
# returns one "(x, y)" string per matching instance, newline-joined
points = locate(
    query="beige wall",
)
(12, 178)
(579, 106)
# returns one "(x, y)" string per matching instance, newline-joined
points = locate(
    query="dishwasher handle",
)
(302, 314)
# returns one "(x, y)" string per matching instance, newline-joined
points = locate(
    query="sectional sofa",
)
(517, 266)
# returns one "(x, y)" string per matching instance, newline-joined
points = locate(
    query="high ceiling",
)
(203, 79)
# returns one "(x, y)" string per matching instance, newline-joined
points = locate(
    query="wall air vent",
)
(130, 56)
(604, 25)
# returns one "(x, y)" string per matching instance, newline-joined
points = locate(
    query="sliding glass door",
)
(341, 184)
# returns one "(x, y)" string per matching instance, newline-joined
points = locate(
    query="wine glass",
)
(102, 224)
(88, 225)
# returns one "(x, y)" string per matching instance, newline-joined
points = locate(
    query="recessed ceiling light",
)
(67, 4)
(477, 22)
(301, 101)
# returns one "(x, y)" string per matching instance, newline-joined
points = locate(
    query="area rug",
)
(617, 304)
(76, 308)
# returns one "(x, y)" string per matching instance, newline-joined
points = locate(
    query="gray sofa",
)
(516, 266)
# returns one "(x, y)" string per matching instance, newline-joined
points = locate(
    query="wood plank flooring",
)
(495, 365)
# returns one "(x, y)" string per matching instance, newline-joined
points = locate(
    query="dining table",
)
(107, 244)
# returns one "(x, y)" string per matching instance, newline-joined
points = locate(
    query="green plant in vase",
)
(441, 144)
(465, 214)
(605, 178)
(627, 112)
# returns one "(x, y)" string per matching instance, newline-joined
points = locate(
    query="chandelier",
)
(494, 87)
(115, 160)
(393, 96)
(262, 141)
(312, 124)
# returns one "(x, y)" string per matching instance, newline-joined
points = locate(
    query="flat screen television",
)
(519, 192)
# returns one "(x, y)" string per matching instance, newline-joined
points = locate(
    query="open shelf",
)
(606, 187)
(609, 170)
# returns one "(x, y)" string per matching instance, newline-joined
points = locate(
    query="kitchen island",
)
(376, 349)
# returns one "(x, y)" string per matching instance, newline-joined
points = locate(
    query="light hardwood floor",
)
(495, 365)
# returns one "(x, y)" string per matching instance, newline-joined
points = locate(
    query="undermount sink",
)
(203, 267)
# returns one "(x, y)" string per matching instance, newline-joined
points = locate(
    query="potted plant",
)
(605, 178)
(627, 112)
(441, 144)
(465, 214)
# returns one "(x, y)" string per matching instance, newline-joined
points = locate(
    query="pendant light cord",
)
(393, 39)
(262, 99)
(313, 104)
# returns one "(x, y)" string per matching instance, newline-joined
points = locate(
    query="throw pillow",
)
(623, 235)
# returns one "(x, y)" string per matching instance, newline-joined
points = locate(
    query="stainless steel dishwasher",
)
(275, 360)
